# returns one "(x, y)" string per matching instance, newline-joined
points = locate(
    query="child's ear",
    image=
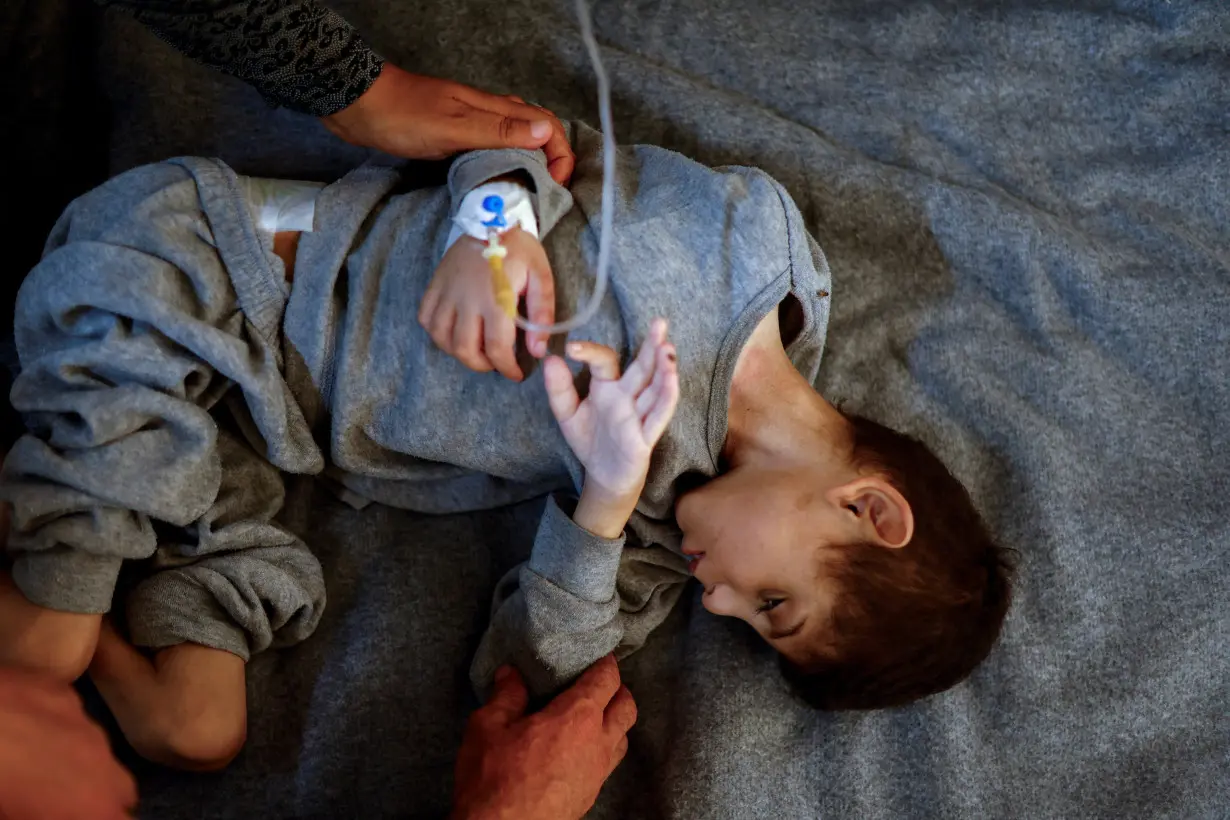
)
(883, 512)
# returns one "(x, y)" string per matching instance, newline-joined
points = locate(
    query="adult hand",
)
(409, 115)
(549, 765)
(55, 763)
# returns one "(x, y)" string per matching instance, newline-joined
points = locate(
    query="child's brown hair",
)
(912, 621)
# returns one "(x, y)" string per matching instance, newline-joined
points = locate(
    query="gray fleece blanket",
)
(1026, 206)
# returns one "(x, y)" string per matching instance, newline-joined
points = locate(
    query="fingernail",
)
(540, 129)
(574, 350)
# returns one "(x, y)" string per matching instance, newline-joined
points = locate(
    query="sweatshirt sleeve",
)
(579, 598)
(557, 614)
(551, 200)
(300, 55)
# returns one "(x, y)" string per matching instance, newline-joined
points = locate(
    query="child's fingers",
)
(500, 345)
(642, 367)
(427, 308)
(441, 328)
(665, 364)
(603, 362)
(539, 300)
(663, 409)
(466, 336)
(661, 415)
(645, 402)
(561, 392)
(619, 715)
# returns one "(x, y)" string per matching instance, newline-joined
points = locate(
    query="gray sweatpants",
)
(138, 351)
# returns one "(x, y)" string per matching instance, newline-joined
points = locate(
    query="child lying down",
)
(177, 360)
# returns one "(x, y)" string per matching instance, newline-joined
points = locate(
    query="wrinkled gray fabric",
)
(1024, 206)
(149, 306)
(242, 582)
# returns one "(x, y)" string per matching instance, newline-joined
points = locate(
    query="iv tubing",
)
(608, 188)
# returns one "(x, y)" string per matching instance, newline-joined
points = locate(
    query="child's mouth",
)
(693, 560)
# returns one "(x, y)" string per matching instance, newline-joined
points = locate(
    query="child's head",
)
(875, 579)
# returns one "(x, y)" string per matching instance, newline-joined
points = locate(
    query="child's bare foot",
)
(186, 708)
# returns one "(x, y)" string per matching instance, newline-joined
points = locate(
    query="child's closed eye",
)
(769, 604)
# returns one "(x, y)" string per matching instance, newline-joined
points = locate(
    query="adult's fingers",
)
(85, 751)
(596, 686)
(102, 782)
(620, 714)
(619, 752)
(467, 335)
(561, 392)
(561, 160)
(500, 344)
(126, 791)
(116, 780)
(510, 105)
(481, 128)
(125, 784)
(603, 361)
(508, 699)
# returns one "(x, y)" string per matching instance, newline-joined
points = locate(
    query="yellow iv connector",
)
(494, 253)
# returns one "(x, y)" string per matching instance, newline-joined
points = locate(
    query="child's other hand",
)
(460, 312)
(614, 430)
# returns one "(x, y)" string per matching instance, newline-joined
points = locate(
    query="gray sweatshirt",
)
(160, 321)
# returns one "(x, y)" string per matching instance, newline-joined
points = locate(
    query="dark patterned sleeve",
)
(297, 53)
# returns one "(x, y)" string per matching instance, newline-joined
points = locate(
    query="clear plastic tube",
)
(608, 188)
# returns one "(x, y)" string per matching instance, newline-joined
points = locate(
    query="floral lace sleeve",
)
(297, 53)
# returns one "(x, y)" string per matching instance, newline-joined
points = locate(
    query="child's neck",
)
(774, 413)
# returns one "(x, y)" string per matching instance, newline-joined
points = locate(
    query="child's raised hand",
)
(460, 312)
(614, 430)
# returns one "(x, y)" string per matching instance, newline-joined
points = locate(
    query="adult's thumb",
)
(509, 697)
(487, 129)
